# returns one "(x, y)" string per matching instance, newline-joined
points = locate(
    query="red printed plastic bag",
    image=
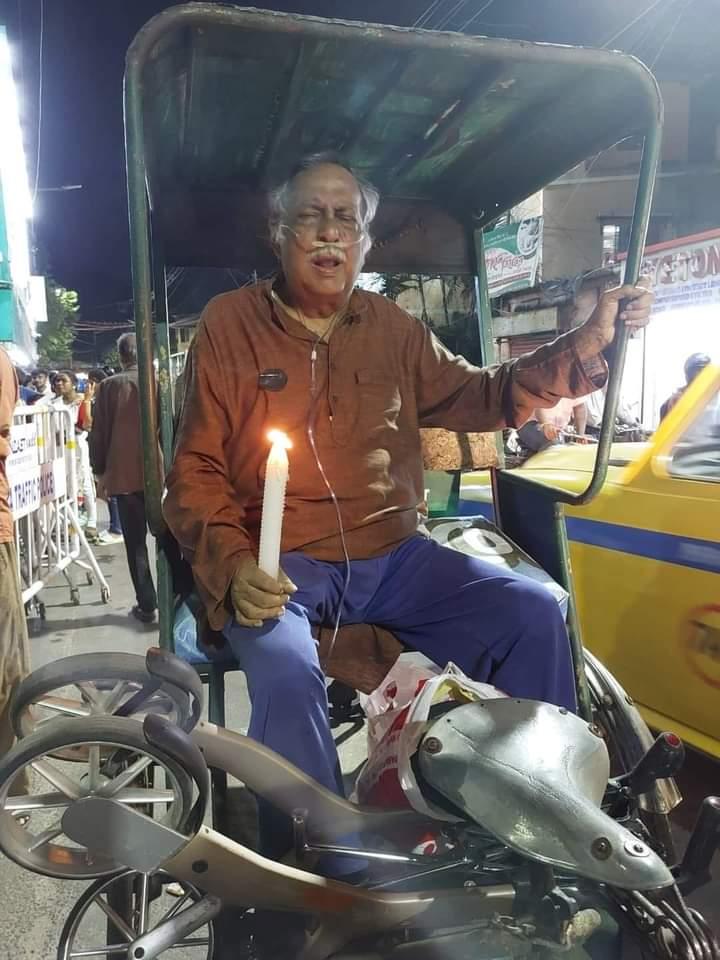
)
(387, 779)
(395, 693)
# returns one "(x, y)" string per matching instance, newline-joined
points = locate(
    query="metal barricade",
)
(43, 479)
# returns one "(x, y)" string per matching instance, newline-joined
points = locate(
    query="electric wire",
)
(448, 18)
(631, 49)
(427, 13)
(475, 16)
(671, 32)
(628, 26)
(310, 431)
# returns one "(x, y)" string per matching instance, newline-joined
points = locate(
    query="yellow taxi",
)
(646, 560)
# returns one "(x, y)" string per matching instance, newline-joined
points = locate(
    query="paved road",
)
(33, 908)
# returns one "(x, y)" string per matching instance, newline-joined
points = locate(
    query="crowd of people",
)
(75, 391)
(105, 411)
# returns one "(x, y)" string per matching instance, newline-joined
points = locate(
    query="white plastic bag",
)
(396, 692)
(387, 779)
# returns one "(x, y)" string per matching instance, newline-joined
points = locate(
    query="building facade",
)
(588, 212)
(22, 296)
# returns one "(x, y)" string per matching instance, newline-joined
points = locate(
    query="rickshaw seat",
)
(361, 656)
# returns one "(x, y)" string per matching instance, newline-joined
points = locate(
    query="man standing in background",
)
(41, 383)
(14, 646)
(546, 426)
(116, 456)
(694, 365)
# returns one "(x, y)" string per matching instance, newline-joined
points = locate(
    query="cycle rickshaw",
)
(219, 102)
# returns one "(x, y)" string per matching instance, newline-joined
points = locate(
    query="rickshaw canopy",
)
(453, 130)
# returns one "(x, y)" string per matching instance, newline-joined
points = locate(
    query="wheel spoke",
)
(40, 801)
(205, 942)
(115, 697)
(94, 766)
(100, 951)
(113, 915)
(175, 907)
(139, 796)
(126, 777)
(45, 837)
(68, 708)
(57, 779)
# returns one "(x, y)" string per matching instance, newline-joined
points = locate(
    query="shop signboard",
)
(512, 255)
(684, 272)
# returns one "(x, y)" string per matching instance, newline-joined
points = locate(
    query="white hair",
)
(279, 198)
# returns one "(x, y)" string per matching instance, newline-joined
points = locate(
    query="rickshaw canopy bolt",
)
(199, 866)
(432, 745)
(601, 848)
(595, 730)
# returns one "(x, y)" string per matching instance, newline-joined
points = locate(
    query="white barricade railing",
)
(42, 475)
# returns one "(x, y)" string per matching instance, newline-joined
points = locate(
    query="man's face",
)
(63, 386)
(40, 381)
(323, 250)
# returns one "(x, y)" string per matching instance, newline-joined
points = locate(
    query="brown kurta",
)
(116, 439)
(382, 376)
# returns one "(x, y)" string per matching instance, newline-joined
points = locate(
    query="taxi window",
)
(696, 455)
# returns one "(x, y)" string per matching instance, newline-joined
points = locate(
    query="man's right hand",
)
(256, 597)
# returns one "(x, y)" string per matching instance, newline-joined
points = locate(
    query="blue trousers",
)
(495, 626)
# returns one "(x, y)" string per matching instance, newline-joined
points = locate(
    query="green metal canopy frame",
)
(221, 102)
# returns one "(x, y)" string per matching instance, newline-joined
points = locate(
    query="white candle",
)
(276, 476)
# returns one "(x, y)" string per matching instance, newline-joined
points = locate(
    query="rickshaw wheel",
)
(117, 757)
(89, 685)
(144, 901)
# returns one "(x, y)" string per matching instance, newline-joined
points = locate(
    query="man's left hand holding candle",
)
(257, 597)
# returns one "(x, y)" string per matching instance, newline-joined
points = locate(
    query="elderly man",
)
(352, 378)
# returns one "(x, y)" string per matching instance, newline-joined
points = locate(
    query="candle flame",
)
(279, 438)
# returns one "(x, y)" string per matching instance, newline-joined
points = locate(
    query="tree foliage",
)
(57, 335)
(112, 358)
(393, 284)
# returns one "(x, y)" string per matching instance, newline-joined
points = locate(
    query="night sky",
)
(81, 236)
